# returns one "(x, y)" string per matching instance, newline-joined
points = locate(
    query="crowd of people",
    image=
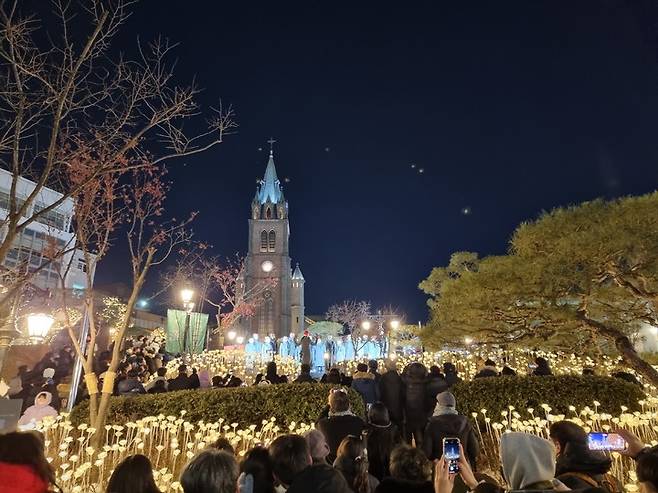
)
(345, 454)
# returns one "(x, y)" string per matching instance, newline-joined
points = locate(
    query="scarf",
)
(440, 410)
(341, 413)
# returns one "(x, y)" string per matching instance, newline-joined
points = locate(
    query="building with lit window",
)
(52, 231)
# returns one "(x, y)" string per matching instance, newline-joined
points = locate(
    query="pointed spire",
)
(297, 275)
(270, 186)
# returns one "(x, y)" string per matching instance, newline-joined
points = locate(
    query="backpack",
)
(607, 483)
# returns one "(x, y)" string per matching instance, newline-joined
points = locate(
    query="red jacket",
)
(20, 478)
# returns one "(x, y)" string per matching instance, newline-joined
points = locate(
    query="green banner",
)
(196, 333)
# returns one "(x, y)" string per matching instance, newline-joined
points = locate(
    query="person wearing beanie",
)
(447, 423)
(318, 446)
(528, 461)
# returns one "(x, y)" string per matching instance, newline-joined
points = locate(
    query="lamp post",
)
(186, 295)
(38, 326)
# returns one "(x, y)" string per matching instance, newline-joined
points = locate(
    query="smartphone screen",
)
(451, 454)
(605, 441)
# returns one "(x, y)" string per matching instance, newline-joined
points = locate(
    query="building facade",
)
(52, 230)
(280, 307)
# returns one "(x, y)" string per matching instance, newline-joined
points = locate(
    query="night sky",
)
(510, 108)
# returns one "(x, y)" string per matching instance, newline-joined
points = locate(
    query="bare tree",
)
(63, 96)
(351, 314)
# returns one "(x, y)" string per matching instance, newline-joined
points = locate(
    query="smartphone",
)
(451, 454)
(598, 440)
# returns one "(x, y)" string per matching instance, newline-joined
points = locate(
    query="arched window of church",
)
(272, 241)
(263, 241)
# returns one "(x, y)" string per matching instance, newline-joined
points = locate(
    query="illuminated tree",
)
(576, 275)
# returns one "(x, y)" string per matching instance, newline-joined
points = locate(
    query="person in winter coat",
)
(391, 393)
(488, 370)
(415, 402)
(39, 410)
(131, 385)
(364, 383)
(271, 375)
(340, 422)
(450, 374)
(304, 375)
(181, 382)
(577, 466)
(23, 464)
(352, 462)
(436, 383)
(528, 461)
(447, 423)
(383, 437)
(411, 472)
(195, 383)
(372, 368)
(543, 368)
(305, 348)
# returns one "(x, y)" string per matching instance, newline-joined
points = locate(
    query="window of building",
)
(263, 241)
(5, 199)
(51, 218)
(82, 265)
(272, 241)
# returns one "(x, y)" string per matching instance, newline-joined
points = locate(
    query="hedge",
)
(558, 392)
(290, 402)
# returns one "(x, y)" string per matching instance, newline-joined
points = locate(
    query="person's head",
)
(361, 367)
(305, 368)
(449, 367)
(217, 381)
(410, 463)
(372, 365)
(317, 445)
(43, 399)
(271, 368)
(490, 362)
(182, 370)
(290, 455)
(339, 400)
(526, 459)
(446, 400)
(378, 415)
(435, 371)
(210, 470)
(390, 365)
(567, 433)
(352, 461)
(194, 370)
(133, 373)
(26, 448)
(541, 362)
(257, 464)
(224, 444)
(162, 371)
(647, 473)
(133, 475)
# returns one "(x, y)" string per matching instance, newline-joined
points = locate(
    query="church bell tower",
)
(268, 262)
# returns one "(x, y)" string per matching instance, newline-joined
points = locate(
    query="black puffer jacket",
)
(415, 402)
(577, 467)
(450, 426)
(391, 393)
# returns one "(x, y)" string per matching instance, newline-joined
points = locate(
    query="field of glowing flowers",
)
(170, 441)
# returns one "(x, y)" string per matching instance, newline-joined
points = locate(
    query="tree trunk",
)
(626, 349)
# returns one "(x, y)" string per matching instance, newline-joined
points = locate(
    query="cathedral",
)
(280, 307)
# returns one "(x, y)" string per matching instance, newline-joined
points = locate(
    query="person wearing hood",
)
(488, 370)
(39, 410)
(415, 402)
(447, 423)
(577, 466)
(364, 383)
(528, 461)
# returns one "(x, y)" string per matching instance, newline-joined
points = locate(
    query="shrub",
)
(301, 403)
(558, 392)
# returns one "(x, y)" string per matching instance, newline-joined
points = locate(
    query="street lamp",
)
(231, 335)
(38, 326)
(365, 325)
(395, 324)
(239, 340)
(186, 295)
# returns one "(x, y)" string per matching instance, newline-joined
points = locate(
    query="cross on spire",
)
(271, 142)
